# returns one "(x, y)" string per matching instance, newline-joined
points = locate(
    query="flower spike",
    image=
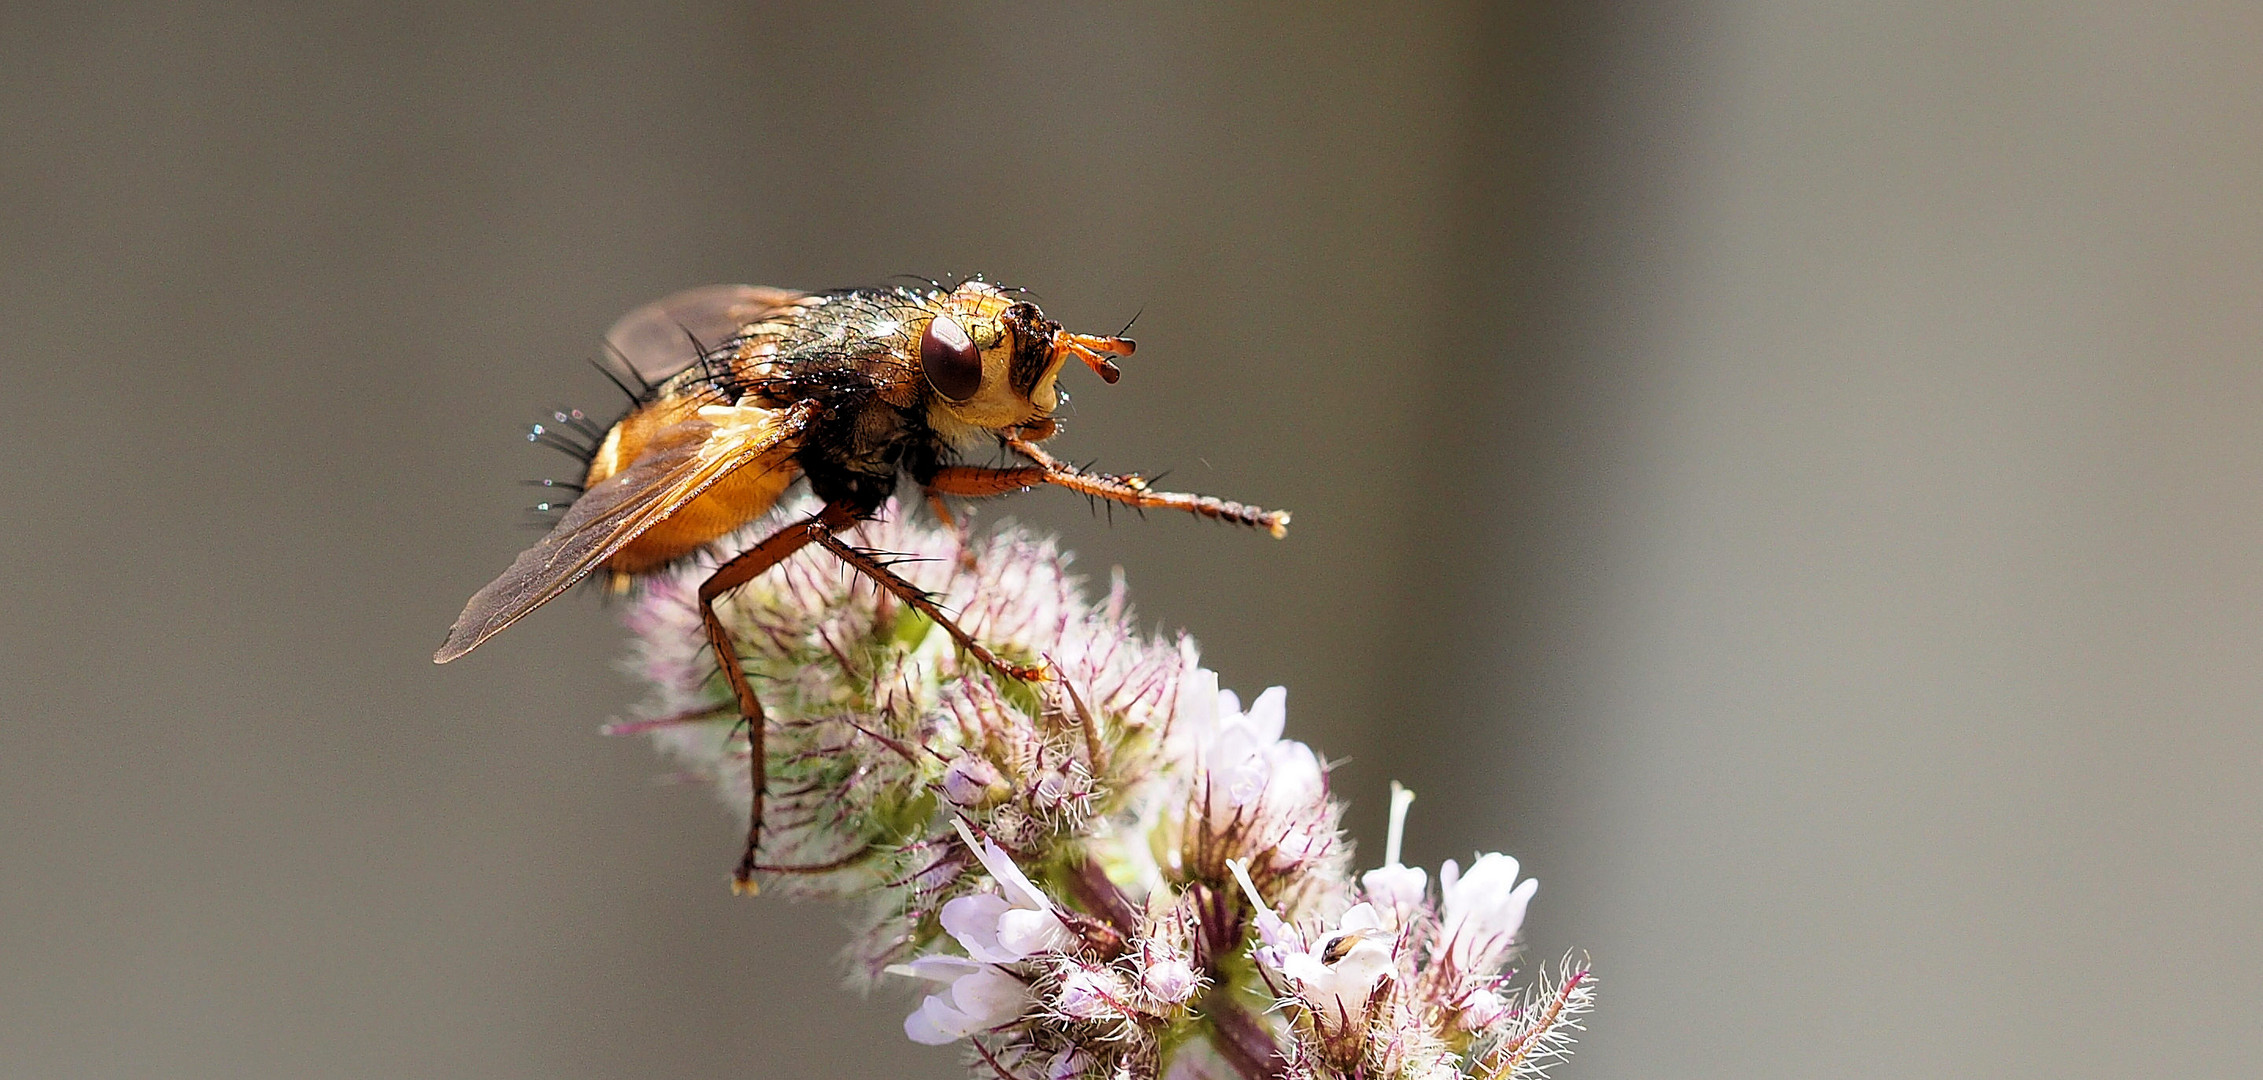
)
(1081, 874)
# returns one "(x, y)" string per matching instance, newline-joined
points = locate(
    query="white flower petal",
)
(1268, 716)
(937, 967)
(1520, 898)
(1303, 967)
(989, 997)
(1011, 881)
(973, 920)
(1242, 782)
(1492, 871)
(1397, 888)
(1339, 991)
(1483, 910)
(1022, 932)
(1362, 919)
(1270, 929)
(1194, 716)
(979, 997)
(1295, 778)
(921, 1026)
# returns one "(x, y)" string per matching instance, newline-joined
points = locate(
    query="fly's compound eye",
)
(948, 356)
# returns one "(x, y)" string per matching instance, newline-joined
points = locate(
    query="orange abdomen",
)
(735, 500)
(740, 497)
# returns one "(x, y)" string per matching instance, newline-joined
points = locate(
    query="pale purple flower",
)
(1248, 763)
(1256, 795)
(1006, 926)
(1482, 912)
(977, 997)
(1399, 889)
(1341, 970)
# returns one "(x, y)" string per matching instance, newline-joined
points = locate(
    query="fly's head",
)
(990, 361)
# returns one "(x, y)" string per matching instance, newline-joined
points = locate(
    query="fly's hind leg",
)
(864, 563)
(742, 568)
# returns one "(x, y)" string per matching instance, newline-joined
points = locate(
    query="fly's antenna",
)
(1126, 331)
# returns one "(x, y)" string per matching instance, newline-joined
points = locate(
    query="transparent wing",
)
(655, 340)
(684, 460)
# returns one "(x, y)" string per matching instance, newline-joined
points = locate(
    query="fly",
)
(849, 391)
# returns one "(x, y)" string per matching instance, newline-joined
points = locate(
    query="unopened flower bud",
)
(1170, 978)
(972, 781)
(1054, 792)
(1068, 1065)
(1480, 1009)
(1090, 994)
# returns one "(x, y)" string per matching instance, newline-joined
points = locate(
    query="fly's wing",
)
(655, 340)
(684, 460)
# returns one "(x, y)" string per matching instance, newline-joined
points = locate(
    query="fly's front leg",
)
(977, 482)
(742, 568)
(1130, 490)
(914, 596)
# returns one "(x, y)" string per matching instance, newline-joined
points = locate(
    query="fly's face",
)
(991, 361)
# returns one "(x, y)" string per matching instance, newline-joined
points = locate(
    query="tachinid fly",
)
(850, 391)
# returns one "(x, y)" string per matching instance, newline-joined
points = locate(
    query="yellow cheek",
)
(992, 410)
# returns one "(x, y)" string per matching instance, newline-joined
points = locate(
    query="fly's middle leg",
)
(742, 568)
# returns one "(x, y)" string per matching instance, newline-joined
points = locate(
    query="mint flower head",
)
(1117, 871)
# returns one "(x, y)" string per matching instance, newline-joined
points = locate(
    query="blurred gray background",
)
(1790, 472)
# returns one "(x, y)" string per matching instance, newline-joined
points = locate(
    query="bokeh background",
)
(1791, 472)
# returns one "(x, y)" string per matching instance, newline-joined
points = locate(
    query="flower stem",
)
(1099, 895)
(1242, 1040)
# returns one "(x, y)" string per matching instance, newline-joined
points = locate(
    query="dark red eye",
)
(949, 358)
